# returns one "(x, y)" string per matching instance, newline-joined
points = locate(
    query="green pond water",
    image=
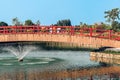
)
(39, 64)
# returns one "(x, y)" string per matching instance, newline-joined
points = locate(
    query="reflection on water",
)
(56, 65)
(100, 73)
(106, 60)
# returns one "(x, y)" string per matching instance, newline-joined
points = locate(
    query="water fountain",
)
(20, 51)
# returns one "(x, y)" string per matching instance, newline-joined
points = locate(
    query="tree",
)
(3, 24)
(38, 22)
(29, 22)
(83, 25)
(112, 15)
(65, 22)
(116, 25)
(102, 26)
(16, 22)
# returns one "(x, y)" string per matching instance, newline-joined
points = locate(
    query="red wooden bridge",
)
(91, 37)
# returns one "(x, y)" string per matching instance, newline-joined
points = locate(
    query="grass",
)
(111, 52)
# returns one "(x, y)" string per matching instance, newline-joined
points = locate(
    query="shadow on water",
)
(101, 49)
(48, 46)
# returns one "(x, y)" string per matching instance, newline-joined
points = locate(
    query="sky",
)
(50, 11)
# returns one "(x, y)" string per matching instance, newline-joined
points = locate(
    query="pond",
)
(39, 64)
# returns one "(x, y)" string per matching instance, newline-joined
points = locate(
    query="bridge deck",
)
(87, 37)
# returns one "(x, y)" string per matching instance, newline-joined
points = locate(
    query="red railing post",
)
(4, 29)
(52, 29)
(34, 29)
(91, 32)
(72, 30)
(21, 29)
(110, 34)
(40, 29)
(37, 27)
(15, 29)
(81, 31)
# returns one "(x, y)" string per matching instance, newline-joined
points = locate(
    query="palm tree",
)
(112, 15)
(16, 22)
(38, 23)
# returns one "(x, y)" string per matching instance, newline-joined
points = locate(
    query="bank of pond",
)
(106, 52)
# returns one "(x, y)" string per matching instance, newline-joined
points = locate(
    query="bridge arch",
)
(75, 40)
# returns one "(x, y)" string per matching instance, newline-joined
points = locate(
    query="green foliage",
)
(83, 25)
(16, 22)
(106, 26)
(65, 22)
(3, 24)
(29, 22)
(38, 22)
(116, 26)
(111, 52)
(102, 26)
(112, 15)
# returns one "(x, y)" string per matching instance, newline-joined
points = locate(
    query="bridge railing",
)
(66, 30)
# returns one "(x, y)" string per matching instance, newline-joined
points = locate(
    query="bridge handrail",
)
(67, 30)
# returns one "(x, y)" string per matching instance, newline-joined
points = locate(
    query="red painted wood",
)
(69, 30)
